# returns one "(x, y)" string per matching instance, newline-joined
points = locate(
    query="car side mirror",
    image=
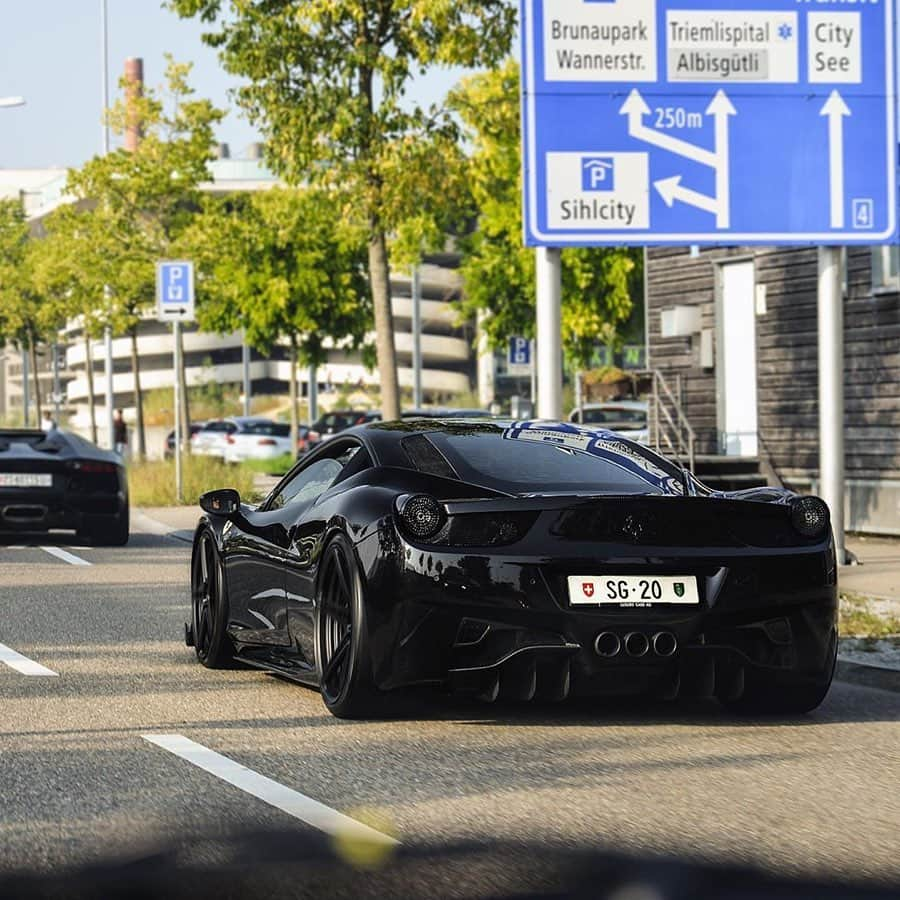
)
(225, 502)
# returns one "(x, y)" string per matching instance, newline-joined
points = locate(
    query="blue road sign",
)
(518, 358)
(709, 122)
(175, 290)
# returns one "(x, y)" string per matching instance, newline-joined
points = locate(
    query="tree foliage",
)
(326, 83)
(134, 205)
(282, 266)
(499, 272)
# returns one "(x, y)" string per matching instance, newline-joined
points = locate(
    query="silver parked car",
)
(212, 438)
(626, 416)
(261, 440)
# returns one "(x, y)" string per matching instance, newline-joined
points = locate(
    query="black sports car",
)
(516, 560)
(56, 479)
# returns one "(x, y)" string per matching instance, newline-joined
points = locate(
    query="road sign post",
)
(710, 122)
(831, 392)
(175, 304)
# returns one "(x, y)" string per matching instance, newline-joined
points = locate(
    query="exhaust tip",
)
(664, 643)
(636, 644)
(607, 644)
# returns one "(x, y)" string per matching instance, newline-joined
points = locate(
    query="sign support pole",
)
(417, 337)
(245, 359)
(831, 392)
(313, 393)
(549, 340)
(179, 487)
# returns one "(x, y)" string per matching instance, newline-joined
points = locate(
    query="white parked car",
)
(212, 438)
(262, 440)
(628, 417)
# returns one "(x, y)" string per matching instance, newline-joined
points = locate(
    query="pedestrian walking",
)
(120, 433)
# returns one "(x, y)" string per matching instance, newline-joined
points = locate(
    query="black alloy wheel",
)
(345, 679)
(209, 607)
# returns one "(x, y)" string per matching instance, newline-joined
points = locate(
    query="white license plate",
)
(632, 590)
(25, 479)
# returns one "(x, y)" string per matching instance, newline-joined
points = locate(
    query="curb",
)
(153, 526)
(868, 676)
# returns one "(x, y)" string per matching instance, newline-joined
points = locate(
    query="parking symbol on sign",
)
(598, 173)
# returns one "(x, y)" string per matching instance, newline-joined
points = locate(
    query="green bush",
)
(153, 483)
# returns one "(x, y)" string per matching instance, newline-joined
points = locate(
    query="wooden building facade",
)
(736, 330)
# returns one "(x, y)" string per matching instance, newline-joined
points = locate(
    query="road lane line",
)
(284, 798)
(65, 556)
(23, 664)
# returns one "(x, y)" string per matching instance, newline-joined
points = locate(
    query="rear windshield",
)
(515, 463)
(269, 429)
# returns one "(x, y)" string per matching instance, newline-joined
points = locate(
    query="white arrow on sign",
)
(836, 109)
(670, 190)
(636, 108)
(721, 109)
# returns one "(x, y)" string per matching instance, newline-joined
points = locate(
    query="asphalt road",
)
(79, 781)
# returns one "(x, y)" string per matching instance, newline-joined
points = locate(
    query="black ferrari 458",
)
(521, 561)
(56, 479)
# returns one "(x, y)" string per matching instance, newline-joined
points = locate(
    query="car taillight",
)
(313, 436)
(810, 517)
(95, 467)
(422, 516)
(264, 442)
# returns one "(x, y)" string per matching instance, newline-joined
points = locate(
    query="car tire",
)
(785, 695)
(343, 656)
(108, 531)
(209, 604)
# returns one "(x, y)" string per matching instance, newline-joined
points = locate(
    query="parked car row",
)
(239, 438)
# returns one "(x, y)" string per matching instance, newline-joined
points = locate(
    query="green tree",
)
(499, 272)
(135, 205)
(26, 321)
(325, 81)
(282, 266)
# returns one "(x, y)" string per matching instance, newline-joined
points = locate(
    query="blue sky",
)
(50, 54)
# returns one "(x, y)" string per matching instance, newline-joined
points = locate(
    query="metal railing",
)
(670, 431)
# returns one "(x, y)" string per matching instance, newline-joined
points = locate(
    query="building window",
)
(886, 268)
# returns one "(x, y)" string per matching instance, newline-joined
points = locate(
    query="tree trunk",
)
(184, 410)
(36, 375)
(295, 413)
(89, 371)
(138, 397)
(380, 280)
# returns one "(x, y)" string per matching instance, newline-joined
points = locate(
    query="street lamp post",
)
(107, 332)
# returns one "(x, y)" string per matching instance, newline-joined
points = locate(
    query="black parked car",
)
(517, 560)
(58, 480)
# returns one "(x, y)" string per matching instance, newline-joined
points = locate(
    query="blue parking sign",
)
(518, 360)
(175, 291)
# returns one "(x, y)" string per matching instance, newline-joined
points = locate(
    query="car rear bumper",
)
(40, 510)
(469, 620)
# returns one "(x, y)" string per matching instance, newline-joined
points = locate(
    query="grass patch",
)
(859, 619)
(279, 466)
(153, 483)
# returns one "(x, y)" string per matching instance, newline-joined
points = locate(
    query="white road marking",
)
(284, 798)
(65, 556)
(23, 664)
